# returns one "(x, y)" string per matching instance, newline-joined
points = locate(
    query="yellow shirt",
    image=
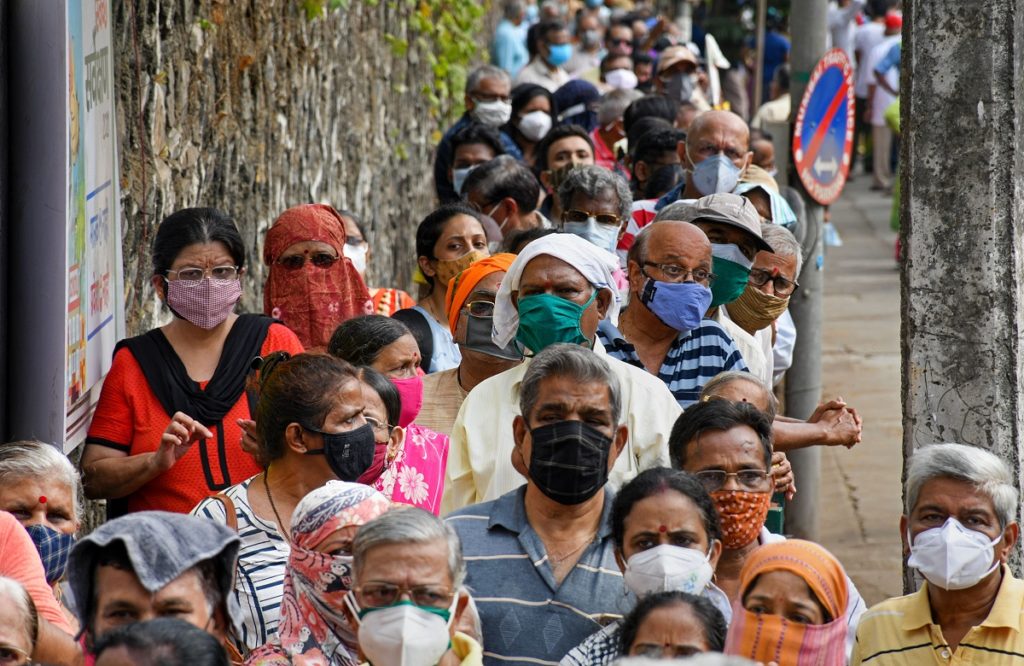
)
(480, 458)
(900, 631)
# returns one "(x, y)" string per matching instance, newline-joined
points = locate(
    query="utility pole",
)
(962, 220)
(808, 23)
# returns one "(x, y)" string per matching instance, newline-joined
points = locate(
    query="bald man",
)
(716, 153)
(664, 330)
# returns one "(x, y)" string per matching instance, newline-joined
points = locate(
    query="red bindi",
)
(662, 528)
(42, 499)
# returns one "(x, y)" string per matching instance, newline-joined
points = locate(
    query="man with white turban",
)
(558, 290)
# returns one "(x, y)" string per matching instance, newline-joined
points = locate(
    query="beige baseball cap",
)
(726, 208)
(673, 55)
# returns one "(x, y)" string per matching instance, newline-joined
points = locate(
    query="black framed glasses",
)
(576, 215)
(319, 259)
(677, 273)
(377, 595)
(194, 273)
(783, 287)
(749, 479)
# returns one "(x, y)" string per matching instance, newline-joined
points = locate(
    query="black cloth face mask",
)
(478, 339)
(350, 453)
(569, 463)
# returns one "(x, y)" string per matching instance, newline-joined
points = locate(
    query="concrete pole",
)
(759, 82)
(803, 380)
(963, 226)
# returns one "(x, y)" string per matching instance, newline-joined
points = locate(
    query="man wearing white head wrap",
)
(557, 290)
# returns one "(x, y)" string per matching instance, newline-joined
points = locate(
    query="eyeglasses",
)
(376, 595)
(480, 308)
(652, 651)
(12, 656)
(377, 424)
(679, 274)
(296, 261)
(194, 273)
(782, 286)
(576, 215)
(749, 479)
(485, 98)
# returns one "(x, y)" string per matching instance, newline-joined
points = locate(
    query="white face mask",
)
(535, 125)
(357, 255)
(605, 236)
(621, 79)
(494, 113)
(667, 568)
(404, 635)
(953, 557)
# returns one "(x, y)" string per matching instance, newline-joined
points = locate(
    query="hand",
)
(177, 439)
(249, 443)
(824, 407)
(841, 427)
(782, 475)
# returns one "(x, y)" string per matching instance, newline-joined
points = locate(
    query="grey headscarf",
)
(160, 546)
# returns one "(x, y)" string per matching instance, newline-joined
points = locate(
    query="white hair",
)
(783, 243)
(969, 464)
(31, 459)
(12, 593)
(408, 525)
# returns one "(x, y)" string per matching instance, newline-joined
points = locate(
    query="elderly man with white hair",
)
(959, 529)
(557, 291)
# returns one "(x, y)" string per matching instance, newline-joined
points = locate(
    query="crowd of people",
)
(563, 449)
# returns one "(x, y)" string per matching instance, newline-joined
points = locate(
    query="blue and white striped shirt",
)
(693, 359)
(527, 617)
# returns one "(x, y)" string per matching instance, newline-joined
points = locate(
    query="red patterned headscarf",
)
(311, 300)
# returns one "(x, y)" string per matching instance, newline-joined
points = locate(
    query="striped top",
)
(259, 582)
(693, 359)
(901, 631)
(527, 617)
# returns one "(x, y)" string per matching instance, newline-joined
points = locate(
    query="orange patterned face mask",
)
(742, 514)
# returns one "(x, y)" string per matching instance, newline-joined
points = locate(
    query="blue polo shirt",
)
(527, 617)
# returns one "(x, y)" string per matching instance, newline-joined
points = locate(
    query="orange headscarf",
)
(463, 284)
(312, 301)
(816, 566)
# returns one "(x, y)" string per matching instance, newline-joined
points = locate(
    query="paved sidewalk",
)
(861, 492)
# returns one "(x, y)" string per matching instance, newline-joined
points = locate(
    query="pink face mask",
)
(205, 303)
(410, 389)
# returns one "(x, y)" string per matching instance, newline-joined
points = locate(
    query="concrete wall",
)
(963, 224)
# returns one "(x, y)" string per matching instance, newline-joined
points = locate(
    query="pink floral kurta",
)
(416, 476)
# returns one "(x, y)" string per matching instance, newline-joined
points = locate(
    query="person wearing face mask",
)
(473, 145)
(728, 447)
(319, 577)
(577, 103)
(544, 552)
(533, 112)
(554, 50)
(165, 433)
(610, 129)
(470, 304)
(508, 48)
(676, 77)
(386, 300)
(507, 192)
(302, 444)
(565, 148)
(667, 539)
(595, 204)
(448, 240)
(40, 487)
(716, 155)
(487, 103)
(664, 331)
(416, 456)
(793, 596)
(409, 603)
(959, 530)
(556, 291)
(589, 47)
(311, 285)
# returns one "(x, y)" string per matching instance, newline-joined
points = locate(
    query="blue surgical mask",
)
(679, 305)
(532, 13)
(605, 236)
(459, 178)
(716, 174)
(559, 54)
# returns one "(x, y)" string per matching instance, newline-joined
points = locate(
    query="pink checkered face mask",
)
(205, 303)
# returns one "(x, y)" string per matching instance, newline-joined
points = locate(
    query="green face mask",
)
(731, 271)
(546, 319)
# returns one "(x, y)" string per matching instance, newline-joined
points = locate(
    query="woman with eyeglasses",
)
(165, 433)
(312, 429)
(311, 285)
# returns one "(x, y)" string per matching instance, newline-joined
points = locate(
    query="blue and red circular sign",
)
(823, 135)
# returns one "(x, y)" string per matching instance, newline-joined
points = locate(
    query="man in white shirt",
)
(842, 19)
(881, 98)
(866, 37)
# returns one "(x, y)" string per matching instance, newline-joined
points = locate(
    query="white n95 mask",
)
(404, 634)
(953, 557)
(667, 568)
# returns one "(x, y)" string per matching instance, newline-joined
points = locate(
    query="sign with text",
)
(823, 134)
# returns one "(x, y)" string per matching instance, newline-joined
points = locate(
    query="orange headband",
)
(463, 284)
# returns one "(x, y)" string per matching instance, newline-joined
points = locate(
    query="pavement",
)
(861, 491)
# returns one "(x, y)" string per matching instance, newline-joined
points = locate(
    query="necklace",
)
(280, 523)
(558, 559)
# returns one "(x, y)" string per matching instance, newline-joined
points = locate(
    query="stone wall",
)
(253, 106)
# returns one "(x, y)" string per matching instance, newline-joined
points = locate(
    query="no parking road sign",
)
(823, 135)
